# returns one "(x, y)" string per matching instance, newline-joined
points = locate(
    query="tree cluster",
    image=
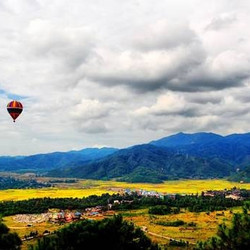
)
(175, 223)
(113, 234)
(193, 203)
(13, 183)
(163, 209)
(8, 241)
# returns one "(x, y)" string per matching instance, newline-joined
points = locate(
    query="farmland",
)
(84, 188)
(206, 224)
(21, 228)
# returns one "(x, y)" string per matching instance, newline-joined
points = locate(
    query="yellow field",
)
(23, 194)
(206, 227)
(85, 188)
(21, 229)
(207, 224)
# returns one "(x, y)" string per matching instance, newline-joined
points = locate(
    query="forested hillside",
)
(199, 155)
(148, 163)
(45, 162)
(233, 148)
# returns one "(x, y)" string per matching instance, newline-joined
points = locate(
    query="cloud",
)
(126, 71)
(177, 70)
(91, 109)
(144, 72)
(93, 127)
(222, 22)
(167, 105)
(176, 61)
(69, 46)
(164, 35)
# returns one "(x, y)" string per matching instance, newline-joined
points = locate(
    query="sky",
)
(115, 73)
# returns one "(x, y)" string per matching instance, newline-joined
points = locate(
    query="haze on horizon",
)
(118, 73)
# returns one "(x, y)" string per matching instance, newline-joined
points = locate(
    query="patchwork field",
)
(83, 188)
(206, 224)
(21, 228)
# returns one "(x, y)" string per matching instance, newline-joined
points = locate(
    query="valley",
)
(194, 225)
(177, 189)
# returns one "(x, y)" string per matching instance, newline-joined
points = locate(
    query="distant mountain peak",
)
(181, 138)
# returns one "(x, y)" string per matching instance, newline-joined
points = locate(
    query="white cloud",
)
(125, 71)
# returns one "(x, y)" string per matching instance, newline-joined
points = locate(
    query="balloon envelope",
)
(15, 108)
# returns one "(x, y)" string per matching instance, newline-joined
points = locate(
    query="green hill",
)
(241, 175)
(147, 163)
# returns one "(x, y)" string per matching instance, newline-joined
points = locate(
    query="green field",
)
(85, 188)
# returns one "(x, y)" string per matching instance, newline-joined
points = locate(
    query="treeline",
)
(193, 203)
(13, 183)
(41, 205)
(113, 234)
(63, 181)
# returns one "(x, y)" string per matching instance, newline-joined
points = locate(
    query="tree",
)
(8, 241)
(113, 234)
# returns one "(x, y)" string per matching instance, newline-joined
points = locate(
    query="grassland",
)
(85, 188)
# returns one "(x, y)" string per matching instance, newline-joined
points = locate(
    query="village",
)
(60, 217)
(234, 193)
(67, 216)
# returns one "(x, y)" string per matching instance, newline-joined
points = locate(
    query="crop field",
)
(24, 194)
(21, 228)
(180, 186)
(206, 224)
(84, 188)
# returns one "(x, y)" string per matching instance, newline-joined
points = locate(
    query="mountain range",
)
(198, 155)
(46, 162)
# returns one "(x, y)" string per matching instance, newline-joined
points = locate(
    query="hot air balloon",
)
(14, 108)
